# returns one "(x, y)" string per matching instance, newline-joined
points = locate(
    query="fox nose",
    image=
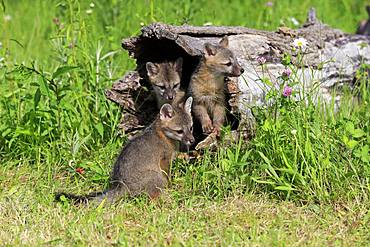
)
(241, 71)
(192, 140)
(189, 140)
(170, 97)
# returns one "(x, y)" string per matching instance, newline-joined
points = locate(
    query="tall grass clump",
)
(304, 149)
(52, 111)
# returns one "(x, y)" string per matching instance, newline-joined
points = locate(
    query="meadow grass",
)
(302, 180)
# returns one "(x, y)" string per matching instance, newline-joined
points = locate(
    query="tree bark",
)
(330, 61)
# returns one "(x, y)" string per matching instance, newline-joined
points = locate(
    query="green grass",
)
(31, 217)
(303, 179)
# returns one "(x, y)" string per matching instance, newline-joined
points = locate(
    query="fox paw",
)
(207, 127)
(217, 130)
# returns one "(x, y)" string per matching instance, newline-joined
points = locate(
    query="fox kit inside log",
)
(207, 85)
(165, 78)
(144, 163)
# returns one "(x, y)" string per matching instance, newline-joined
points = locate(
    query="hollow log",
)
(330, 61)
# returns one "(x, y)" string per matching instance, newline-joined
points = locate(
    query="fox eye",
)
(162, 87)
(177, 85)
(179, 132)
(229, 64)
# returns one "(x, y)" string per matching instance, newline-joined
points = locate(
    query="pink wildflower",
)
(261, 60)
(287, 73)
(269, 4)
(287, 91)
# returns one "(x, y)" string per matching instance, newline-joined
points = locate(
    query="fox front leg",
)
(218, 118)
(200, 113)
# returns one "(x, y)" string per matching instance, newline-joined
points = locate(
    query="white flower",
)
(7, 18)
(300, 43)
(92, 5)
(89, 11)
(294, 131)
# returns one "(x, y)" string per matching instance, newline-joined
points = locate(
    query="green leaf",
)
(352, 143)
(284, 188)
(267, 81)
(101, 205)
(109, 54)
(25, 132)
(345, 139)
(350, 127)
(357, 133)
(257, 180)
(269, 166)
(100, 128)
(266, 125)
(44, 88)
(63, 70)
(6, 132)
(286, 59)
(63, 198)
(36, 98)
(365, 155)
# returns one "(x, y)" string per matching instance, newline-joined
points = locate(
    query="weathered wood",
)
(330, 61)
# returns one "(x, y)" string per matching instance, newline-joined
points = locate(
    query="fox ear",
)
(224, 42)
(178, 64)
(209, 49)
(188, 105)
(151, 68)
(166, 112)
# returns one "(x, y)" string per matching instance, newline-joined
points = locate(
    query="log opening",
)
(331, 59)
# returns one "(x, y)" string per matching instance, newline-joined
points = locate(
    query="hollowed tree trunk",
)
(330, 61)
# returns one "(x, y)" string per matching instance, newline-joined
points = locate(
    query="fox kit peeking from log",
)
(165, 78)
(207, 85)
(144, 163)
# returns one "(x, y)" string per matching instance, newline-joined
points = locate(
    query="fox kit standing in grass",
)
(144, 163)
(207, 85)
(165, 78)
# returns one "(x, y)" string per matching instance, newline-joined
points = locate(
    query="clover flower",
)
(269, 4)
(287, 72)
(261, 60)
(287, 91)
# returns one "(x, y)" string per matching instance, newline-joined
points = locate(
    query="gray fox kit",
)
(165, 78)
(207, 85)
(144, 163)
